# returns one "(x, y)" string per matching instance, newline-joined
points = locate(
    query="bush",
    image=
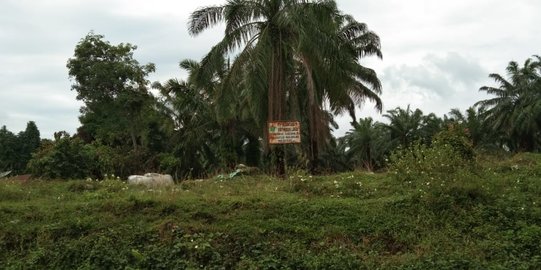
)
(420, 163)
(65, 158)
(450, 153)
(459, 140)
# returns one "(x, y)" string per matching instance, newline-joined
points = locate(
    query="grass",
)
(489, 218)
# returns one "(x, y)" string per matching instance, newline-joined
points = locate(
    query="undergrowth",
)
(485, 216)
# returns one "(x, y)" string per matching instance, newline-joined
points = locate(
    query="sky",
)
(436, 54)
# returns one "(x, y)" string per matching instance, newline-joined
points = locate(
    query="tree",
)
(472, 121)
(368, 143)
(63, 158)
(194, 125)
(404, 125)
(210, 132)
(278, 42)
(114, 88)
(16, 150)
(516, 109)
(332, 72)
(8, 149)
(29, 141)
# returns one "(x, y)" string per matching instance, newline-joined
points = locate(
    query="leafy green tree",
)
(28, 142)
(16, 150)
(114, 88)
(63, 158)
(8, 149)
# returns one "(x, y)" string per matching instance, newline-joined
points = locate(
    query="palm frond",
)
(203, 18)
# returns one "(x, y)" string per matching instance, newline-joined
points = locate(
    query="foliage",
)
(279, 71)
(113, 87)
(64, 158)
(515, 110)
(450, 153)
(458, 139)
(489, 219)
(407, 126)
(369, 143)
(8, 149)
(16, 150)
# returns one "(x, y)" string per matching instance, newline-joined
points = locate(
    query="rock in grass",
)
(151, 180)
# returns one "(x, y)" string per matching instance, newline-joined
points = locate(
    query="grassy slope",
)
(487, 219)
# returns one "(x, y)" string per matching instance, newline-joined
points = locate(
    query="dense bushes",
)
(488, 218)
(450, 153)
(63, 158)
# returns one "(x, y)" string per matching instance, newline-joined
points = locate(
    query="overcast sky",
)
(436, 54)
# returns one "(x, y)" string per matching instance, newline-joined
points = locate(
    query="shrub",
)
(65, 158)
(459, 140)
(450, 153)
(420, 162)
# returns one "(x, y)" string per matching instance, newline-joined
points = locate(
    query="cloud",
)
(439, 83)
(436, 54)
(37, 39)
(443, 76)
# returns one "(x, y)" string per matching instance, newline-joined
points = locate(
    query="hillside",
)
(487, 218)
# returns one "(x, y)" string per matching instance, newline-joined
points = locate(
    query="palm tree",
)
(273, 38)
(192, 129)
(516, 109)
(263, 32)
(332, 73)
(368, 143)
(404, 125)
(481, 135)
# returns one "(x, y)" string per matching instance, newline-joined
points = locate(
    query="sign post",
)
(284, 132)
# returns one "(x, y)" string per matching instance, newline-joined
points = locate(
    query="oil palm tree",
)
(368, 143)
(481, 135)
(404, 125)
(263, 31)
(516, 109)
(272, 38)
(329, 60)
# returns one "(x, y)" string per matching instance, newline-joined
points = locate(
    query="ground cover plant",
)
(487, 217)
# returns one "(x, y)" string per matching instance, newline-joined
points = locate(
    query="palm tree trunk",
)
(133, 139)
(313, 110)
(275, 102)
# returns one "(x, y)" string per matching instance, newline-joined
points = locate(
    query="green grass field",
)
(486, 218)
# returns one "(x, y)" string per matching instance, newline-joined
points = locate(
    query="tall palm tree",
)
(515, 111)
(262, 30)
(329, 60)
(272, 38)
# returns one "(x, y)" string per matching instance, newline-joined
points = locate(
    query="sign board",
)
(284, 132)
